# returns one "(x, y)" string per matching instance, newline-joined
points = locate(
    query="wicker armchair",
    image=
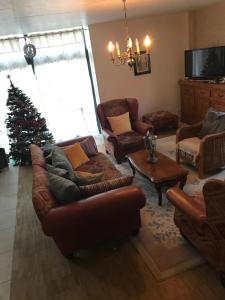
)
(210, 150)
(201, 220)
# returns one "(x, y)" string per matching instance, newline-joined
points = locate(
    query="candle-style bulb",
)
(147, 42)
(137, 46)
(110, 46)
(118, 49)
(129, 43)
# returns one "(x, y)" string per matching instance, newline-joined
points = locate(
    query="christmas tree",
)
(25, 126)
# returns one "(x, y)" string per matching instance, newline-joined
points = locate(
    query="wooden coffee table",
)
(166, 172)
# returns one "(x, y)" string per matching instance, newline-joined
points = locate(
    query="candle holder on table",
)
(150, 145)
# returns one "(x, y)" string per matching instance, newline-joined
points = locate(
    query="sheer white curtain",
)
(61, 89)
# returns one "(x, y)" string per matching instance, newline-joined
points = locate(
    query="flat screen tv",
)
(205, 63)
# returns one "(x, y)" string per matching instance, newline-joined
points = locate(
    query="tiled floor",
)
(8, 198)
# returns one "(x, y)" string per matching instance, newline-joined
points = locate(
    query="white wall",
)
(158, 90)
(209, 26)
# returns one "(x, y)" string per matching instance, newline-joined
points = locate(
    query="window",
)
(61, 88)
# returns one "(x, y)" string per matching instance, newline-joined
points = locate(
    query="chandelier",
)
(129, 56)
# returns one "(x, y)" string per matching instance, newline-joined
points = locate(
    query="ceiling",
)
(22, 16)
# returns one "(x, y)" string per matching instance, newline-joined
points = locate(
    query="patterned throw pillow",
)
(64, 190)
(76, 155)
(104, 186)
(84, 178)
(89, 146)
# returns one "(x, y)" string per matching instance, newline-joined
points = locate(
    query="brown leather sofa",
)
(120, 145)
(201, 219)
(84, 222)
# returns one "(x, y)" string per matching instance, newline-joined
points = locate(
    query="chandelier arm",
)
(125, 17)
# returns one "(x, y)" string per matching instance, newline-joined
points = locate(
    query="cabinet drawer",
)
(199, 92)
(187, 90)
(217, 93)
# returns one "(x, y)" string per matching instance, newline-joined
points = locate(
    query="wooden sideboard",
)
(196, 97)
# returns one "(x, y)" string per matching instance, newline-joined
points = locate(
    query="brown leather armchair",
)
(206, 154)
(201, 219)
(120, 145)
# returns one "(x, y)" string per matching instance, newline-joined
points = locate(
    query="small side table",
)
(3, 159)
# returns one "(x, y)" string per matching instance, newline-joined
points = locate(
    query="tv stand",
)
(197, 96)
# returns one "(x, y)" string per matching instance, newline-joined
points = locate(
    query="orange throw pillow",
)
(76, 155)
(120, 124)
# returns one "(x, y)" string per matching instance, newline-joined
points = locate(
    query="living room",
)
(124, 235)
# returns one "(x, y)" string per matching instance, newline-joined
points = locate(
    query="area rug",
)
(159, 242)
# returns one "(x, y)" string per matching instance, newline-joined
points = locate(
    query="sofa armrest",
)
(72, 141)
(186, 205)
(188, 131)
(75, 215)
(141, 127)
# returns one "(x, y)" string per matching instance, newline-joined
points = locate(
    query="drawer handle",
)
(221, 95)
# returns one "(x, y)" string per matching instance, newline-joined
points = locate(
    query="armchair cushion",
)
(130, 140)
(189, 149)
(120, 124)
(214, 122)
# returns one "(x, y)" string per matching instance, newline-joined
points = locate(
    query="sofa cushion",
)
(64, 190)
(130, 139)
(214, 122)
(84, 178)
(120, 124)
(100, 163)
(57, 171)
(104, 186)
(76, 155)
(189, 149)
(59, 160)
(89, 146)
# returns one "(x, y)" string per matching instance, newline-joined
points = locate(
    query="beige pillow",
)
(120, 124)
(76, 155)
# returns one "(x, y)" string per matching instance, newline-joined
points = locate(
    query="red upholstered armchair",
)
(120, 145)
(201, 219)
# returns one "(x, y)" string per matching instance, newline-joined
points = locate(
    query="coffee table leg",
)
(159, 191)
(182, 182)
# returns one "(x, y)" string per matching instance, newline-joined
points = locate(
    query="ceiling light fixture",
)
(129, 56)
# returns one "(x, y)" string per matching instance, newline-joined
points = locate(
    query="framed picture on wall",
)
(142, 64)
